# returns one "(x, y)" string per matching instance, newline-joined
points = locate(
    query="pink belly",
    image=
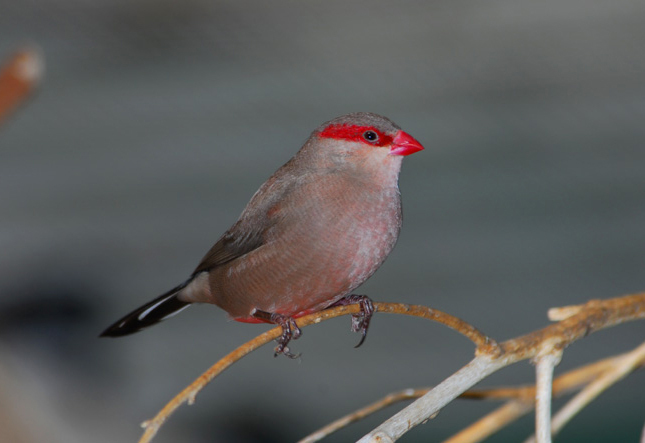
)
(288, 278)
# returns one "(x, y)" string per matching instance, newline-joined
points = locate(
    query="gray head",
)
(368, 119)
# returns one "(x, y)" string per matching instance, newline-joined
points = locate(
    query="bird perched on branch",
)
(319, 227)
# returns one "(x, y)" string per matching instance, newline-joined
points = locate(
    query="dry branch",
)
(342, 422)
(544, 345)
(189, 393)
(591, 317)
(521, 400)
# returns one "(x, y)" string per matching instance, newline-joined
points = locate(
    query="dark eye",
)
(370, 136)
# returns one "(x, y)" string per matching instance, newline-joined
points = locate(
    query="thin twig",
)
(489, 355)
(492, 422)
(189, 393)
(523, 399)
(622, 368)
(546, 362)
(360, 414)
(484, 343)
(431, 403)
(563, 312)
(594, 315)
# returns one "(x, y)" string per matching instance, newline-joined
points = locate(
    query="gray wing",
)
(233, 244)
(259, 216)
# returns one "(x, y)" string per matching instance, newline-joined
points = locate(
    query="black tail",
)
(160, 308)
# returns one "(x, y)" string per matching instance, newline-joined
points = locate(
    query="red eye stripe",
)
(355, 133)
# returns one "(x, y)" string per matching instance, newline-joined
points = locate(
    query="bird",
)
(318, 228)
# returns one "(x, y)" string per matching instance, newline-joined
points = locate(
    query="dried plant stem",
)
(592, 316)
(521, 401)
(544, 375)
(390, 399)
(432, 402)
(484, 343)
(492, 422)
(545, 344)
(622, 366)
(189, 393)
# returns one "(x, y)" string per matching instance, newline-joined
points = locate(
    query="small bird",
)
(319, 227)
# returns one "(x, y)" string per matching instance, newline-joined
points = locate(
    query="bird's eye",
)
(370, 136)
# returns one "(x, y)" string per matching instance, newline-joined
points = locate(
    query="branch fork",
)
(544, 347)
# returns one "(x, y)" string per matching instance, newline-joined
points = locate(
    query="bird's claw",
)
(290, 331)
(360, 321)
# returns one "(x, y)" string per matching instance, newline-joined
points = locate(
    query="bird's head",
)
(361, 142)
(370, 131)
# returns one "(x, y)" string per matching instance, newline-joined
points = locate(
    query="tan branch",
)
(360, 414)
(546, 363)
(522, 400)
(484, 343)
(492, 422)
(189, 393)
(592, 316)
(621, 367)
(490, 357)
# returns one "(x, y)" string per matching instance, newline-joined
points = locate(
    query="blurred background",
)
(157, 120)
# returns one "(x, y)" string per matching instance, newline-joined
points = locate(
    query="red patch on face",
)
(356, 133)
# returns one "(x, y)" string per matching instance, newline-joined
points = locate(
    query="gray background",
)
(156, 122)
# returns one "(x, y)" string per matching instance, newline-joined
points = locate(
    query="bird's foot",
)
(290, 330)
(360, 321)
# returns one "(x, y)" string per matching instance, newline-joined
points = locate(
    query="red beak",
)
(404, 144)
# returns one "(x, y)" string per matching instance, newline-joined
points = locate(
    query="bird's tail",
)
(162, 307)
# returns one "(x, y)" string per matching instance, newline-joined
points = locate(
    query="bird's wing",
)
(235, 243)
(250, 231)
